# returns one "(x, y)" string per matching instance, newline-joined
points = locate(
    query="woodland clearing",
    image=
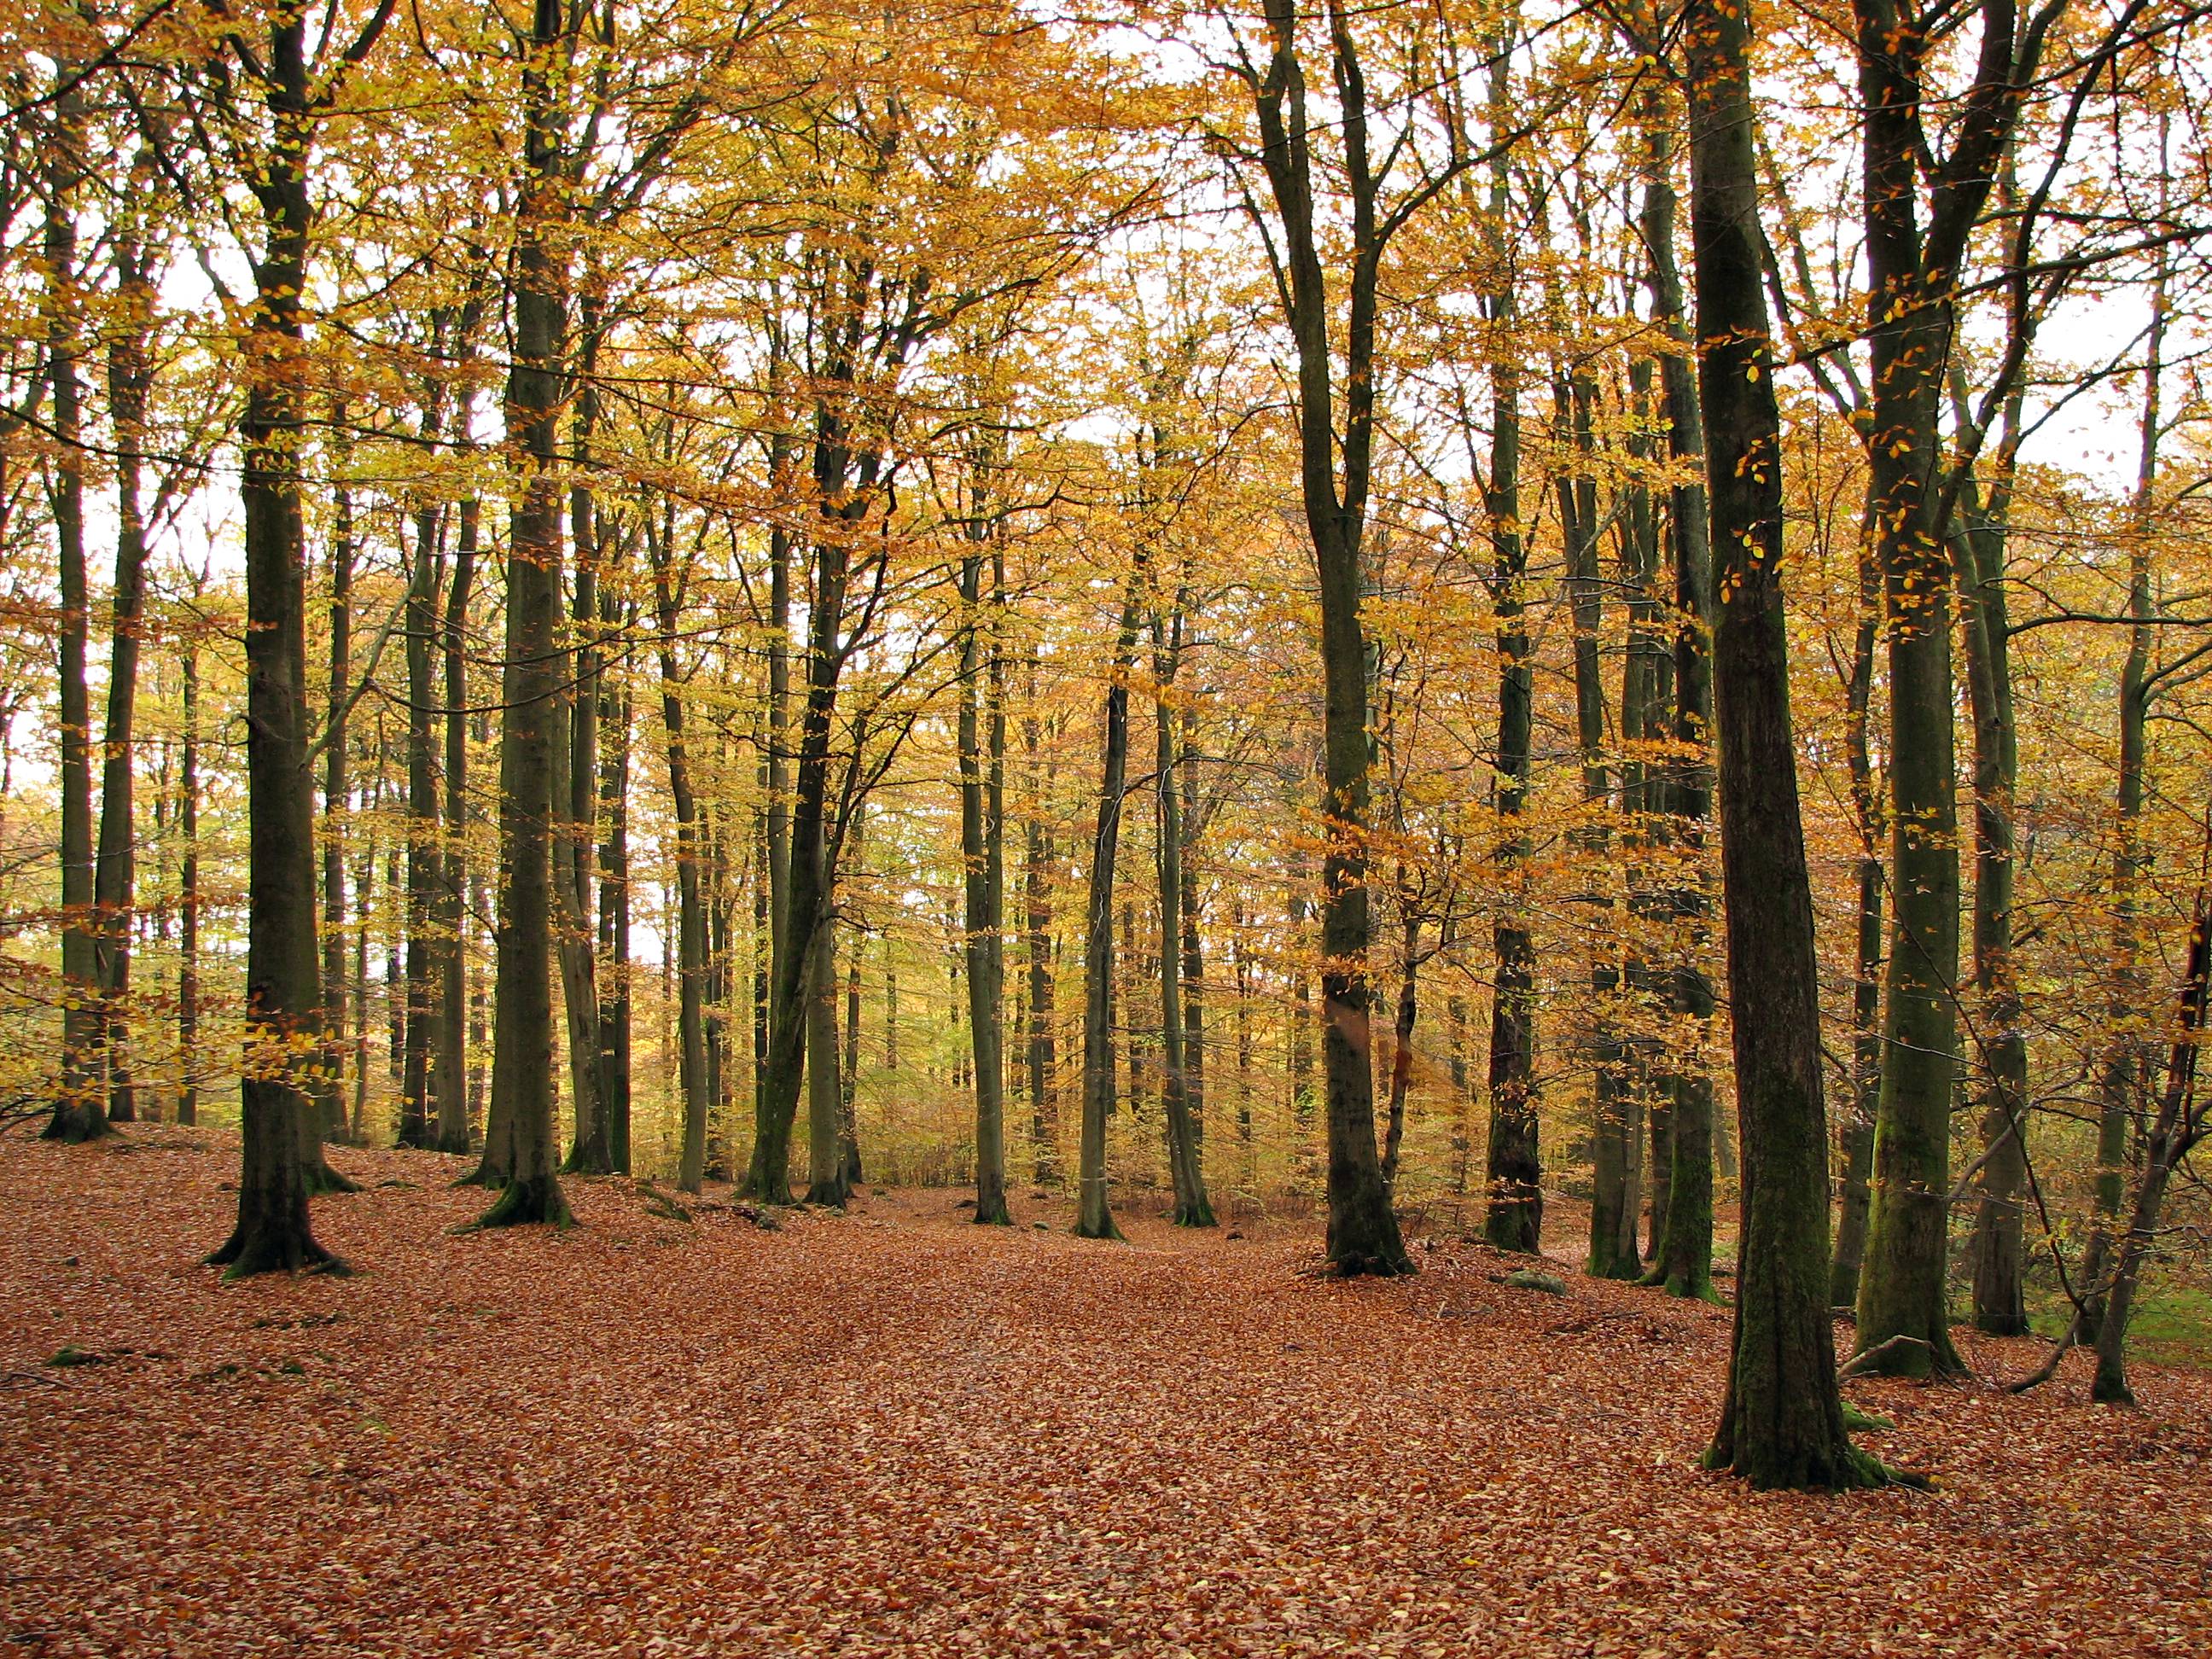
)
(888, 1432)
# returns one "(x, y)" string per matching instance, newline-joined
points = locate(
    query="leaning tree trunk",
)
(522, 1009)
(1782, 1419)
(284, 997)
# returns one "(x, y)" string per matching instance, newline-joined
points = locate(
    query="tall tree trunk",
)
(425, 864)
(1682, 1261)
(2123, 1071)
(1781, 1420)
(1998, 1249)
(617, 717)
(450, 1036)
(188, 895)
(1333, 472)
(336, 787)
(1037, 940)
(522, 1012)
(284, 999)
(691, 918)
(578, 786)
(80, 1106)
(130, 373)
(1513, 1167)
(1194, 947)
(1866, 810)
(1613, 1127)
(1913, 321)
(1186, 1173)
(1094, 1215)
(982, 880)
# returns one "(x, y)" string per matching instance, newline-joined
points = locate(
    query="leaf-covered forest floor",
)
(892, 1432)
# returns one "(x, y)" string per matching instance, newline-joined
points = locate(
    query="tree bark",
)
(80, 1111)
(983, 876)
(1334, 470)
(1912, 316)
(1094, 1215)
(1780, 1421)
(1513, 1165)
(522, 1012)
(283, 996)
(1186, 1172)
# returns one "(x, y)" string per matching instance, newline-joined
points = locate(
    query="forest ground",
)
(893, 1432)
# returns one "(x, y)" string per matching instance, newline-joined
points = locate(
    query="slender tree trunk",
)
(1866, 988)
(425, 865)
(2122, 1074)
(981, 879)
(1036, 939)
(1187, 1174)
(2179, 1127)
(615, 1035)
(1094, 1217)
(336, 794)
(1998, 1249)
(578, 786)
(1781, 1420)
(450, 975)
(1513, 1219)
(1614, 1128)
(691, 918)
(188, 897)
(130, 373)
